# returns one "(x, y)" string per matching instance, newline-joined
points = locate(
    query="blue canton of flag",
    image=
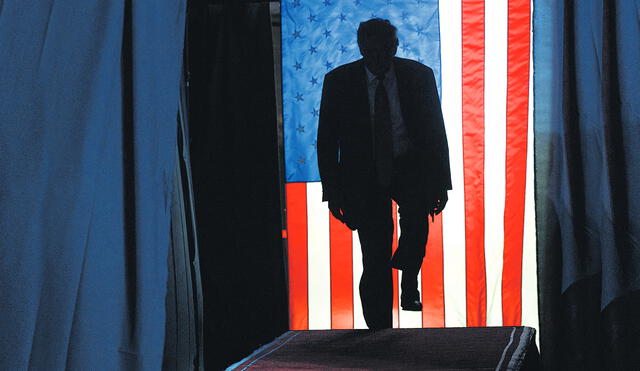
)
(318, 36)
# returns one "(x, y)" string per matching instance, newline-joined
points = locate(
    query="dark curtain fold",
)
(180, 331)
(587, 135)
(183, 334)
(235, 166)
(89, 94)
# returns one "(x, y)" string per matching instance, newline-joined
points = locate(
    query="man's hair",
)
(376, 28)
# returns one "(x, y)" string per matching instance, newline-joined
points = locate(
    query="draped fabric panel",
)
(89, 95)
(587, 126)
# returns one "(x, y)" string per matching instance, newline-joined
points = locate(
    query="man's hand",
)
(439, 204)
(336, 210)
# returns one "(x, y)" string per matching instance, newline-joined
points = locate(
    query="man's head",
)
(378, 43)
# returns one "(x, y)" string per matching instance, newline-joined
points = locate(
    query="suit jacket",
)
(345, 132)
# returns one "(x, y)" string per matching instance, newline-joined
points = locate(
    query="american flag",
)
(480, 267)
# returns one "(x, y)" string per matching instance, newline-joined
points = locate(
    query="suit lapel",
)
(361, 101)
(404, 93)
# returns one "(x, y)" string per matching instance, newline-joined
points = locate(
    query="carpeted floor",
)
(480, 348)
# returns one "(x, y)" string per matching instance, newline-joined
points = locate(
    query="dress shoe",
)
(413, 305)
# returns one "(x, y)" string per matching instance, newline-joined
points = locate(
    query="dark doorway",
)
(233, 97)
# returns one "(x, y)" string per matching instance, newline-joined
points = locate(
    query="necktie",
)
(383, 140)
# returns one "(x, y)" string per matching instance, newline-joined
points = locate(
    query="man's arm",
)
(329, 151)
(328, 143)
(441, 146)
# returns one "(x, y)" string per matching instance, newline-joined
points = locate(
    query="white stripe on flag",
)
(495, 118)
(529, 263)
(319, 259)
(453, 216)
(409, 319)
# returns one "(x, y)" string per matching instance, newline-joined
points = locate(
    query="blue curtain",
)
(587, 135)
(89, 94)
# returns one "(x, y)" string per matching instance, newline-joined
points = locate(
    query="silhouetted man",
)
(381, 136)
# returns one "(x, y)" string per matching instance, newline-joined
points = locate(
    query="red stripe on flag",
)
(433, 278)
(516, 158)
(341, 246)
(394, 246)
(297, 256)
(473, 157)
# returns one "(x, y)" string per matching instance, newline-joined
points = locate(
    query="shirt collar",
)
(371, 76)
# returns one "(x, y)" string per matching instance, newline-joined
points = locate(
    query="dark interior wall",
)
(234, 153)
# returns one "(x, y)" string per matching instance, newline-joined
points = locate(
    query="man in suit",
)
(381, 136)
